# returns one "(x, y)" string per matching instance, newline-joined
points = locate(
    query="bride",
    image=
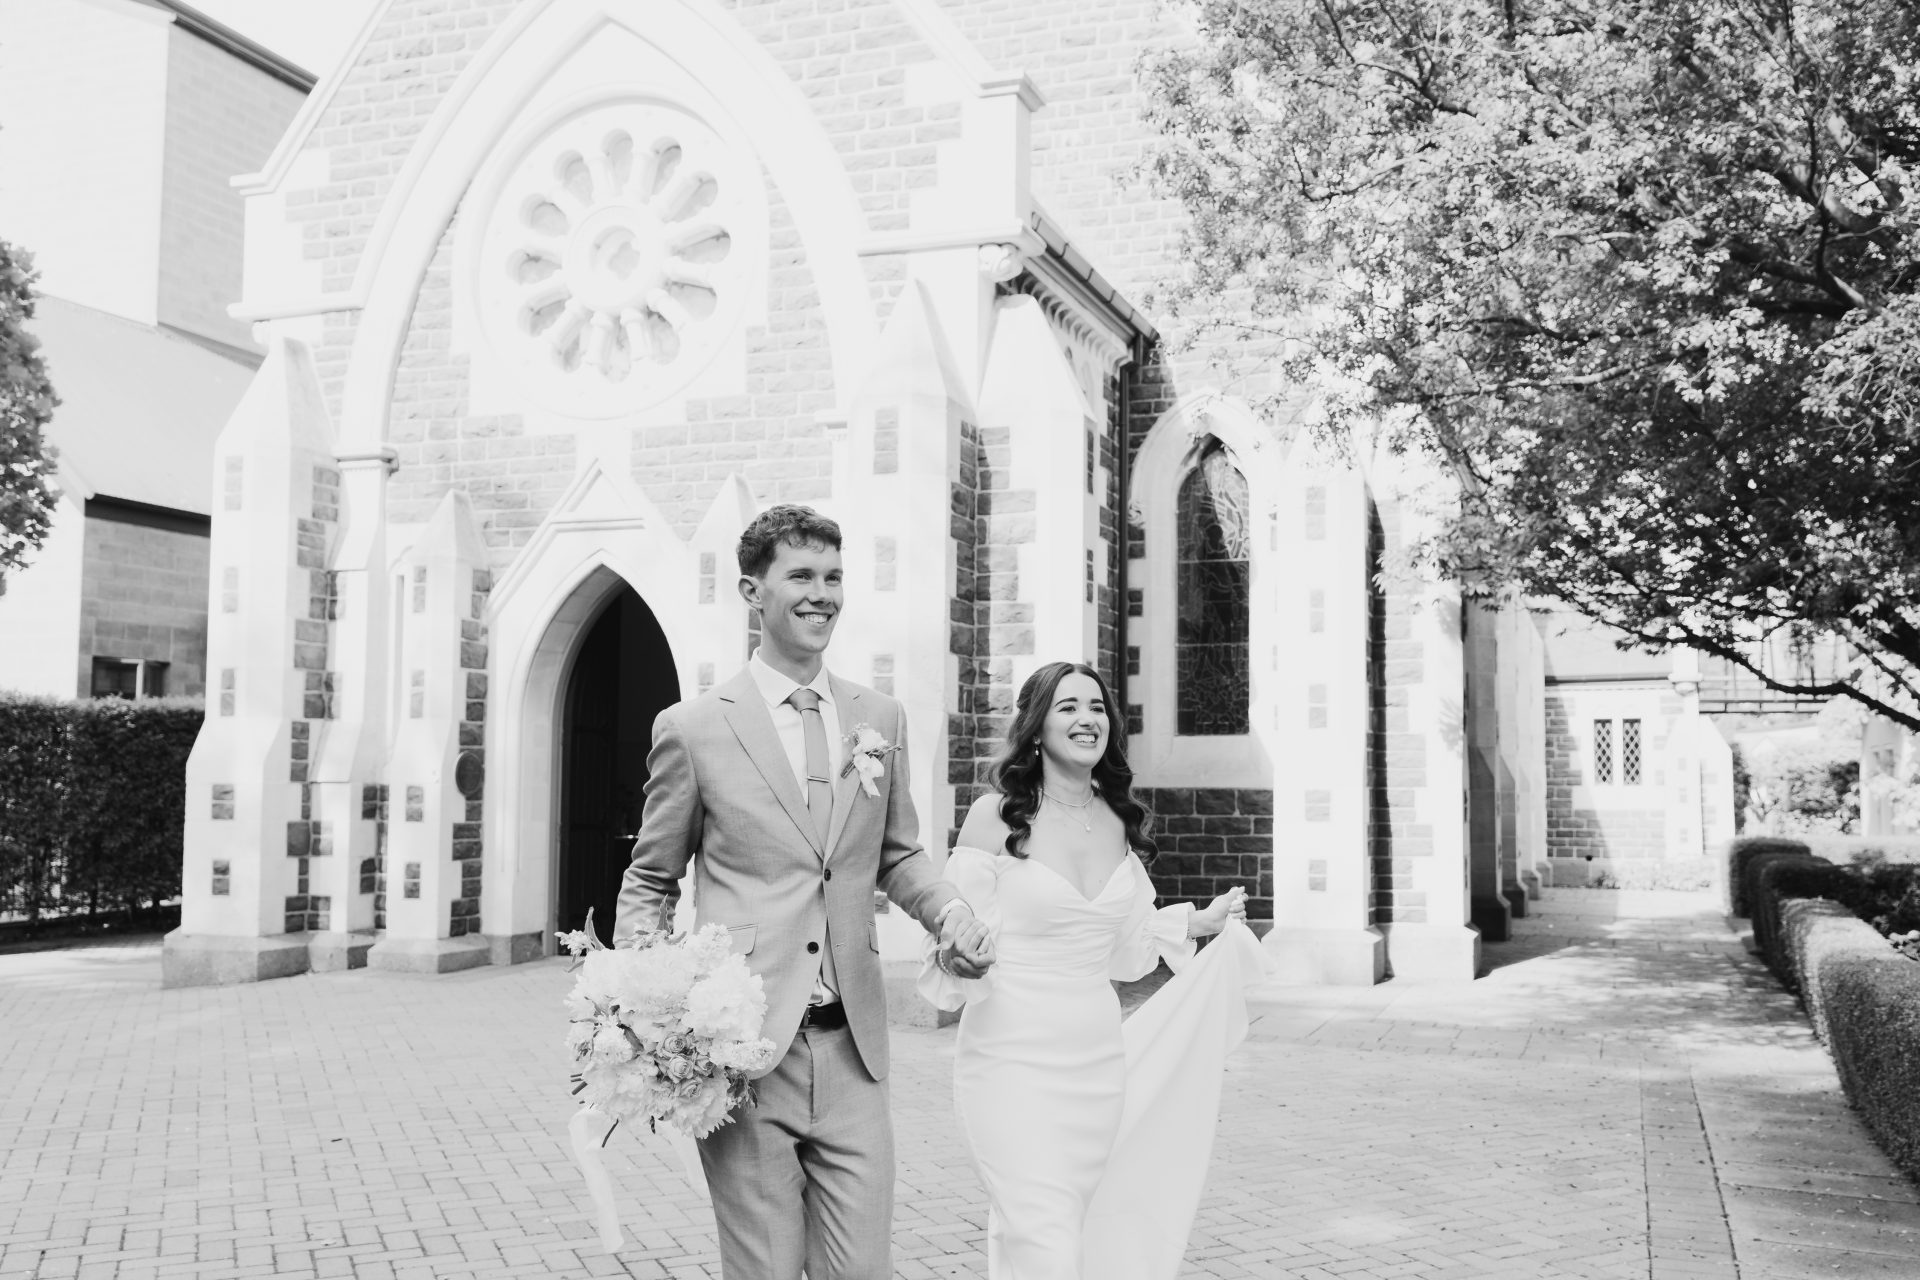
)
(1092, 1142)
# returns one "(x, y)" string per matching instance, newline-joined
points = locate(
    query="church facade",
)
(557, 294)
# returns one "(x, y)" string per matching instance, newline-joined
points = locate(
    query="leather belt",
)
(824, 1017)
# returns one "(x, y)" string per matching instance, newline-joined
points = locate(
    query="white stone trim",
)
(1160, 757)
(504, 78)
(604, 534)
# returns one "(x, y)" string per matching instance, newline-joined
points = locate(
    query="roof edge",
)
(225, 38)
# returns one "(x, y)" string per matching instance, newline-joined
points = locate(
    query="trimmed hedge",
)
(1743, 849)
(1764, 892)
(92, 796)
(1818, 931)
(1872, 1005)
(1821, 928)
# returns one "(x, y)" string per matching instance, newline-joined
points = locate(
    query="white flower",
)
(746, 1056)
(610, 1044)
(866, 749)
(727, 1004)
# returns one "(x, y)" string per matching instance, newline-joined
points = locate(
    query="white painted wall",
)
(40, 611)
(83, 102)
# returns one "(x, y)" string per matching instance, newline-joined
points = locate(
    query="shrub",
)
(1739, 852)
(91, 802)
(1872, 1007)
(1774, 878)
(1864, 850)
(33, 736)
(1818, 930)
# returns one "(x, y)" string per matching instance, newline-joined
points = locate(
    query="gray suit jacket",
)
(721, 793)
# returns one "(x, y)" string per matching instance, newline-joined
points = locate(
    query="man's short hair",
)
(796, 526)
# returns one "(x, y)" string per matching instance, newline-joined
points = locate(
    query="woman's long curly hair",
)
(1019, 771)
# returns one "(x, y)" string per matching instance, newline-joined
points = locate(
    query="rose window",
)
(613, 266)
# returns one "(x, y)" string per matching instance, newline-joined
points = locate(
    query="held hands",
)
(1231, 904)
(966, 949)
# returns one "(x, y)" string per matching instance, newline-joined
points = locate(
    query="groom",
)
(762, 778)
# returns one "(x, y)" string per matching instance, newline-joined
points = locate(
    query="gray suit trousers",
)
(805, 1178)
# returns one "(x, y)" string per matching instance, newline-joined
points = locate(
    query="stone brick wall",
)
(1621, 829)
(1211, 838)
(1397, 755)
(223, 118)
(991, 620)
(143, 595)
(470, 770)
(848, 57)
(1090, 133)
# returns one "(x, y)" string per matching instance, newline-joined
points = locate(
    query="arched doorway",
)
(622, 677)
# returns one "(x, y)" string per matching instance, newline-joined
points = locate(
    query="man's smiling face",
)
(799, 598)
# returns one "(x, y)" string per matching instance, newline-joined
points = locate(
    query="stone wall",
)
(223, 118)
(1211, 839)
(1615, 822)
(143, 596)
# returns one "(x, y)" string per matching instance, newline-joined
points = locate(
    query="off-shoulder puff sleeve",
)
(973, 872)
(1149, 934)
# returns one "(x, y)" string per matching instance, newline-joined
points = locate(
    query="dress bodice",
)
(1045, 927)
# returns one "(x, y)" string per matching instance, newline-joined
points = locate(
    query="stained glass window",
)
(1603, 751)
(1213, 585)
(1630, 752)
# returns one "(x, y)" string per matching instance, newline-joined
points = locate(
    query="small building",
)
(121, 123)
(1639, 779)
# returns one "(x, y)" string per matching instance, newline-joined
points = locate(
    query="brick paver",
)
(1617, 1098)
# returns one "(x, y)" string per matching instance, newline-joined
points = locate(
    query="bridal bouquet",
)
(666, 1030)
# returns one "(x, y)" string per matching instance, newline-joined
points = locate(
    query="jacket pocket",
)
(742, 936)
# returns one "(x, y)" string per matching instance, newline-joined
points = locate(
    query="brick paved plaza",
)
(1616, 1098)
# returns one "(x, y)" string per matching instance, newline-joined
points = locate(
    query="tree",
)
(1641, 273)
(26, 406)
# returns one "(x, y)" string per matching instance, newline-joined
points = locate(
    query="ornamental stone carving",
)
(612, 267)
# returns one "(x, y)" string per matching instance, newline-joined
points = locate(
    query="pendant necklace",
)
(1085, 816)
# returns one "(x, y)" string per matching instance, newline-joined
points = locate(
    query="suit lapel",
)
(752, 724)
(846, 784)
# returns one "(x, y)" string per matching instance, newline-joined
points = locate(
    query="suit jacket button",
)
(813, 948)
(829, 873)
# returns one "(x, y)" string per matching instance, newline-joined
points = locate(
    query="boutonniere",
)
(865, 751)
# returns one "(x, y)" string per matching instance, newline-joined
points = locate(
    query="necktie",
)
(820, 804)
(819, 776)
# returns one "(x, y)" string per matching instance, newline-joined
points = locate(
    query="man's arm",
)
(670, 827)
(907, 877)
(906, 873)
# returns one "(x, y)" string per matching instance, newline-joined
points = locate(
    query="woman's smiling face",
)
(1074, 734)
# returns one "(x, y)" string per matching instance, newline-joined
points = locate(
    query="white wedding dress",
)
(1091, 1138)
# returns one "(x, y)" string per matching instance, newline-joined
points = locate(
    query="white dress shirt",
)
(776, 689)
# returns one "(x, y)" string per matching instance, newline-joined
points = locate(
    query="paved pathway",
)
(1617, 1098)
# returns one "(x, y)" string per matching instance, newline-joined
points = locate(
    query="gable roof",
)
(140, 406)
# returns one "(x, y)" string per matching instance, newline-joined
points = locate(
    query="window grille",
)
(1630, 752)
(1214, 589)
(1603, 751)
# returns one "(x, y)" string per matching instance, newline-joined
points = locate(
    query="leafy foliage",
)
(26, 406)
(1642, 272)
(92, 796)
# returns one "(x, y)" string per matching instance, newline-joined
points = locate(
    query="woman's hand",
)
(1211, 920)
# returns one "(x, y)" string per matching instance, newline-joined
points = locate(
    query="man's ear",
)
(750, 590)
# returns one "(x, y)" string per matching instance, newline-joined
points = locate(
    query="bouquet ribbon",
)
(588, 1131)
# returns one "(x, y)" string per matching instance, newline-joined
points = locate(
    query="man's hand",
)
(966, 949)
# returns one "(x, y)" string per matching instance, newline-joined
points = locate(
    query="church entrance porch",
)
(622, 678)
